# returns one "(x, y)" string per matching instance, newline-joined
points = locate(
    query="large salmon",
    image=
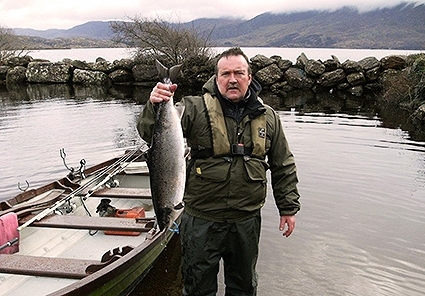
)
(166, 158)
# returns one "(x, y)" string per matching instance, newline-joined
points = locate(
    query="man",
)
(234, 138)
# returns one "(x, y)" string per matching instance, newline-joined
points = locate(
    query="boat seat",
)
(93, 223)
(124, 192)
(50, 198)
(44, 266)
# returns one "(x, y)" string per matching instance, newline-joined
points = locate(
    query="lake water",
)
(361, 227)
(291, 54)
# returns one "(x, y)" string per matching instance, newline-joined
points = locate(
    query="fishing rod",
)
(79, 190)
(9, 244)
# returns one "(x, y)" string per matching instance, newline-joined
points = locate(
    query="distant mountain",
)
(400, 27)
(95, 30)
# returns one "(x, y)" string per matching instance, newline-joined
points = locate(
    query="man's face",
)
(233, 78)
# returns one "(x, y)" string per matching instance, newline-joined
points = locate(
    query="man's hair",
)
(234, 51)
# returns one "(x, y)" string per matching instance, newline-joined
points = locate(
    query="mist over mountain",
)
(400, 27)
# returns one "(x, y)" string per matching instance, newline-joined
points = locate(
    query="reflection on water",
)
(360, 229)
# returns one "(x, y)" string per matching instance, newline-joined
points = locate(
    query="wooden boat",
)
(90, 233)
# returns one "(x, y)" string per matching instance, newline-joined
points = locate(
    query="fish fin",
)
(168, 75)
(162, 71)
(179, 206)
(180, 110)
(174, 72)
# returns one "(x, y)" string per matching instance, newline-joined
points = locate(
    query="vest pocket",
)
(255, 169)
(212, 169)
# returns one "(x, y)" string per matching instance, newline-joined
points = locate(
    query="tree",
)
(171, 43)
(9, 44)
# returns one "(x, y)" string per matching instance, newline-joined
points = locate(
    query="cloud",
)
(63, 14)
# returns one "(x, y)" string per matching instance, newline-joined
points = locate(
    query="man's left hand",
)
(287, 224)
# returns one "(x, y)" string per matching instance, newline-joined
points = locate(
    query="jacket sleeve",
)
(284, 178)
(146, 121)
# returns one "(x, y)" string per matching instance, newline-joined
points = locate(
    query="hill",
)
(400, 27)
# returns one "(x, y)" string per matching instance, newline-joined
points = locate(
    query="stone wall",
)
(289, 82)
(276, 74)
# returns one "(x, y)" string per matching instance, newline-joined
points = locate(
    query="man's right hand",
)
(162, 92)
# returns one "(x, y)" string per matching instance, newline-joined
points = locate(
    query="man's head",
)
(233, 74)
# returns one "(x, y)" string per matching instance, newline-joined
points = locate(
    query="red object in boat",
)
(133, 213)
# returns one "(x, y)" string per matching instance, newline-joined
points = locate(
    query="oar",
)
(61, 202)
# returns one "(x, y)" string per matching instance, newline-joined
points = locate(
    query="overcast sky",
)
(65, 14)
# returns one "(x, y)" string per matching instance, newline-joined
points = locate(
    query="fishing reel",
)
(105, 208)
(65, 209)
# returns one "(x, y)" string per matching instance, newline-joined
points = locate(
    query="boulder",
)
(369, 63)
(3, 72)
(314, 68)
(269, 75)
(46, 72)
(16, 75)
(393, 62)
(144, 73)
(281, 63)
(332, 64)
(356, 78)
(356, 90)
(126, 64)
(102, 65)
(121, 75)
(301, 61)
(333, 78)
(18, 61)
(83, 65)
(351, 66)
(298, 78)
(372, 74)
(88, 77)
(260, 61)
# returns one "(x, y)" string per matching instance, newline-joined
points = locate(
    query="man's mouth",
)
(233, 87)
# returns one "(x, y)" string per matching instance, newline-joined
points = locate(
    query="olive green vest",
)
(220, 140)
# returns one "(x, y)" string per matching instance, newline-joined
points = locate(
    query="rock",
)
(356, 90)
(126, 64)
(18, 61)
(144, 73)
(393, 62)
(3, 72)
(301, 61)
(83, 65)
(16, 75)
(269, 75)
(281, 63)
(331, 64)
(281, 88)
(333, 78)
(314, 68)
(351, 66)
(88, 77)
(298, 78)
(103, 65)
(261, 61)
(356, 78)
(46, 72)
(369, 63)
(121, 75)
(372, 74)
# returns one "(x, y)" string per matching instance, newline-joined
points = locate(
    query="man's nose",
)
(232, 77)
